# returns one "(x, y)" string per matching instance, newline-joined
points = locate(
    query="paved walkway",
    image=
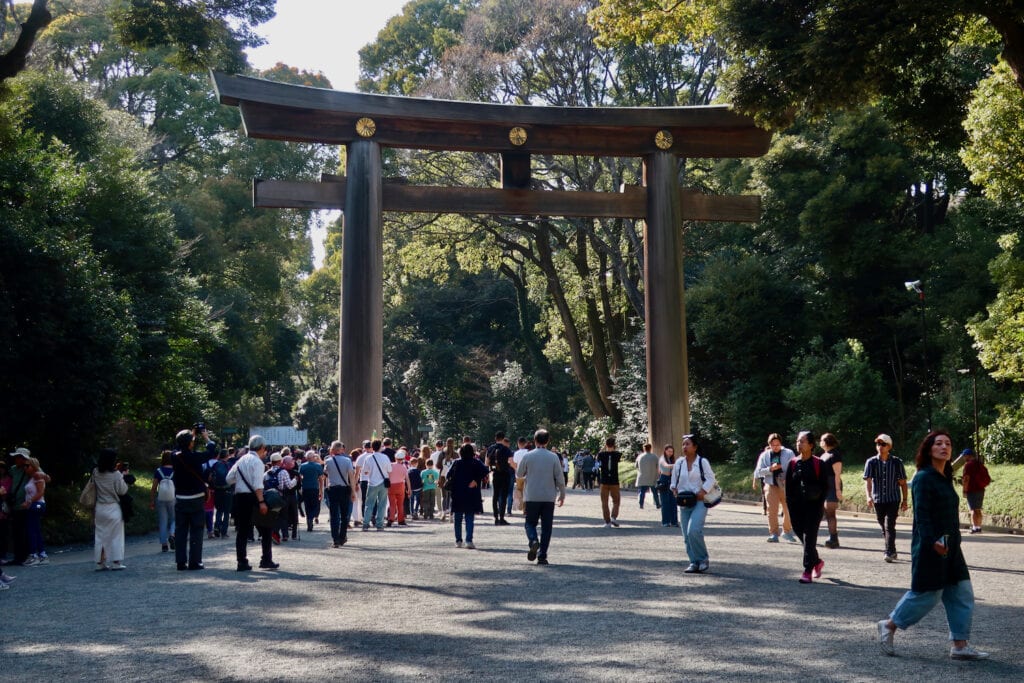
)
(407, 605)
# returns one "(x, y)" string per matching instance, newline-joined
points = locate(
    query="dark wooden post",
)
(361, 338)
(668, 396)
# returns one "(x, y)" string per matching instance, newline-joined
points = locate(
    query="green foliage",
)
(836, 390)
(1003, 440)
(407, 51)
(518, 402)
(995, 125)
(1000, 337)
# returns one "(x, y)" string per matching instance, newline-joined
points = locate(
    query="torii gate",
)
(366, 123)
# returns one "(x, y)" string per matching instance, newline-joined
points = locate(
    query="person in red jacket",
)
(976, 479)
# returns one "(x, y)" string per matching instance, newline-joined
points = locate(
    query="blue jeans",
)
(165, 519)
(376, 500)
(692, 522)
(642, 494)
(339, 507)
(509, 497)
(669, 513)
(545, 513)
(459, 516)
(958, 599)
(189, 520)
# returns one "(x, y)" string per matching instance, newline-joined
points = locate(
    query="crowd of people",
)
(198, 489)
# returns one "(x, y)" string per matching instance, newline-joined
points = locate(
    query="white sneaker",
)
(607, 525)
(966, 652)
(615, 522)
(791, 538)
(4, 586)
(885, 639)
(30, 561)
(43, 559)
(458, 544)
(470, 546)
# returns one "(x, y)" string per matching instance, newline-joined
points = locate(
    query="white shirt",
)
(360, 465)
(377, 468)
(688, 478)
(251, 466)
(518, 456)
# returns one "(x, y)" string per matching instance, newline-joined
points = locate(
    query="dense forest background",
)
(140, 291)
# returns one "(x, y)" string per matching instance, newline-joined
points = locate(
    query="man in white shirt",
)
(247, 476)
(517, 490)
(377, 467)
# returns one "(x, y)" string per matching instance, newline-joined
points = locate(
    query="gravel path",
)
(405, 604)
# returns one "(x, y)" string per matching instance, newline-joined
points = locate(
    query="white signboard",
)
(281, 436)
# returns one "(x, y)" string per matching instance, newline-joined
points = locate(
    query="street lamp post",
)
(915, 286)
(974, 393)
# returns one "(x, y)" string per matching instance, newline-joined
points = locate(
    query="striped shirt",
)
(885, 476)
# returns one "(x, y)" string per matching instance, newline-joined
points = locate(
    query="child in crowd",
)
(428, 479)
(416, 481)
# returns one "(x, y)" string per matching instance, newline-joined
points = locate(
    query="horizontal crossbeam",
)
(396, 196)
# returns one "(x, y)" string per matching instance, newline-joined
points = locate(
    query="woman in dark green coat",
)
(938, 569)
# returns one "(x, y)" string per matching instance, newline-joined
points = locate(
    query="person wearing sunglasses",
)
(885, 487)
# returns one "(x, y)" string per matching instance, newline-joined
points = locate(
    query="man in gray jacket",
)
(542, 471)
(647, 475)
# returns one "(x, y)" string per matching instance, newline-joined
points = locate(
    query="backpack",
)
(270, 479)
(165, 489)
(219, 475)
(983, 478)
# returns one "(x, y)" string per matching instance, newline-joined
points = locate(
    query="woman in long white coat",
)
(109, 523)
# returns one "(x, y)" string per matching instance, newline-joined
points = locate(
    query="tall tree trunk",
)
(1011, 28)
(614, 322)
(599, 357)
(572, 337)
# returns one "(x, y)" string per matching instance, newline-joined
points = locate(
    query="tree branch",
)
(14, 60)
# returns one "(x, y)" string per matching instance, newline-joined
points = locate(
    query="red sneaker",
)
(818, 567)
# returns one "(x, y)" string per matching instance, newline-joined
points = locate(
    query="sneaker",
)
(117, 566)
(4, 586)
(30, 561)
(818, 567)
(243, 567)
(542, 560)
(889, 558)
(534, 547)
(703, 567)
(805, 577)
(607, 525)
(975, 530)
(403, 524)
(774, 538)
(163, 548)
(458, 544)
(268, 564)
(691, 569)
(966, 652)
(276, 537)
(6, 578)
(170, 541)
(791, 538)
(503, 522)
(615, 522)
(470, 546)
(885, 635)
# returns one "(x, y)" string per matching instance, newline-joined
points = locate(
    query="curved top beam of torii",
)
(281, 111)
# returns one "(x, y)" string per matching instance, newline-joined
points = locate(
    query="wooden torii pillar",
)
(366, 123)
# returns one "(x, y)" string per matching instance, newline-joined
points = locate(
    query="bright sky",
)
(323, 35)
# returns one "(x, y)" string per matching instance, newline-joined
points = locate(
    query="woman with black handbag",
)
(692, 478)
(669, 514)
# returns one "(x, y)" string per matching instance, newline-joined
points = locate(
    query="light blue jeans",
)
(375, 495)
(691, 522)
(165, 519)
(958, 599)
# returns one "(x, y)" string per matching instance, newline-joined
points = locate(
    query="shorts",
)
(975, 499)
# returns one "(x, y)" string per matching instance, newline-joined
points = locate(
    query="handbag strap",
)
(374, 458)
(245, 480)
